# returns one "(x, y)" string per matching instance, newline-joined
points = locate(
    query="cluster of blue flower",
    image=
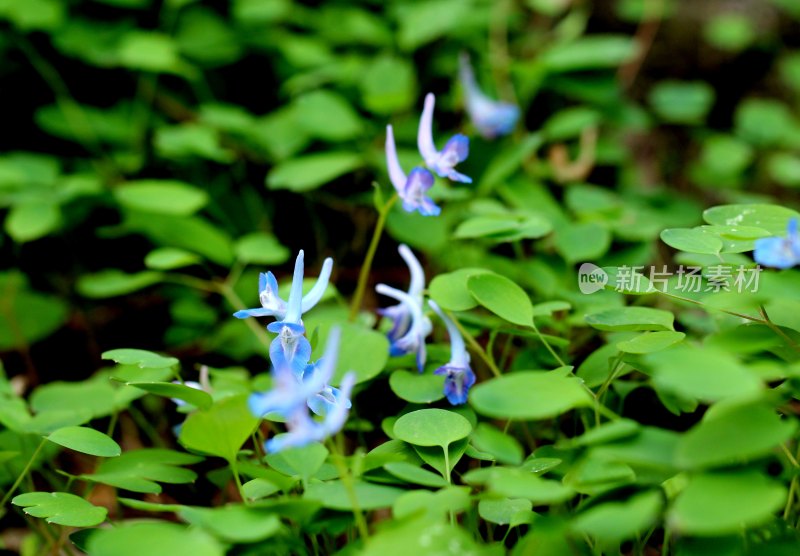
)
(410, 327)
(491, 118)
(298, 384)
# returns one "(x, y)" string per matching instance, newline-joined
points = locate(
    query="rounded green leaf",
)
(731, 435)
(503, 447)
(234, 522)
(142, 537)
(528, 395)
(772, 218)
(141, 358)
(718, 504)
(417, 388)
(616, 521)
(113, 282)
(432, 427)
(506, 511)
(502, 297)
(61, 508)
(450, 290)
(261, 248)
(334, 495)
(692, 240)
(32, 220)
(86, 441)
(414, 474)
(683, 102)
(162, 196)
(168, 258)
(631, 318)
(188, 394)
(221, 429)
(311, 171)
(650, 342)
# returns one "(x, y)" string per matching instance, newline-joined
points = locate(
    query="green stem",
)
(235, 469)
(476, 347)
(363, 275)
(23, 474)
(546, 343)
(349, 486)
(230, 296)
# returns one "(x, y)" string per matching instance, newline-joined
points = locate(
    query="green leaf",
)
(785, 169)
(27, 316)
(335, 496)
(234, 523)
(423, 22)
(162, 196)
(612, 522)
(502, 297)
(203, 36)
(33, 15)
(188, 394)
(650, 342)
(328, 116)
(260, 248)
(506, 511)
(631, 318)
(432, 427)
(113, 282)
(259, 488)
(141, 358)
(683, 102)
(31, 220)
(590, 52)
(311, 171)
(414, 474)
(730, 31)
(505, 448)
(508, 482)
(169, 258)
(434, 455)
(388, 85)
(303, 462)
(763, 121)
(692, 240)
(706, 373)
(189, 233)
(417, 388)
(93, 398)
(528, 395)
(721, 503)
(138, 470)
(582, 241)
(733, 434)
(61, 508)
(450, 290)
(86, 441)
(190, 140)
(772, 218)
(220, 430)
(149, 51)
(361, 349)
(142, 537)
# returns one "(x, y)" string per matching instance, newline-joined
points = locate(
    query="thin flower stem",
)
(363, 275)
(22, 475)
(349, 486)
(546, 343)
(235, 469)
(231, 297)
(476, 347)
(777, 329)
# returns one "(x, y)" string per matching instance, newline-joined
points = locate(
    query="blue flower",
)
(271, 303)
(779, 252)
(409, 325)
(455, 150)
(459, 377)
(292, 398)
(411, 188)
(491, 118)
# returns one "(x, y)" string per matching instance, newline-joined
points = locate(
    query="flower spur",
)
(459, 377)
(455, 150)
(412, 189)
(491, 118)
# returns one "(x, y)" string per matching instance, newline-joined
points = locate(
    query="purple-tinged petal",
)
(396, 174)
(414, 195)
(316, 293)
(457, 383)
(425, 131)
(257, 312)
